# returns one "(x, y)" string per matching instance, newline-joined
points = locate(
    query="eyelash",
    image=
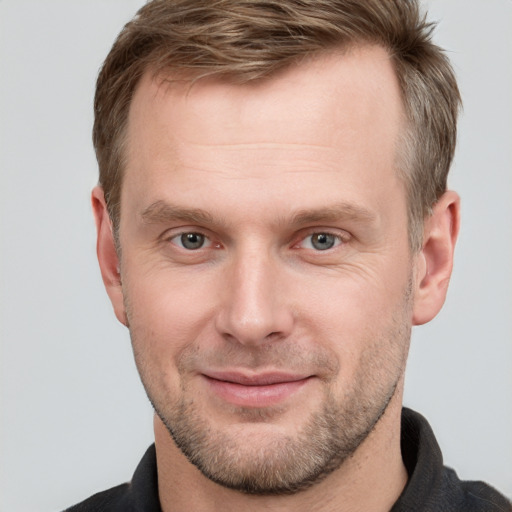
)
(336, 238)
(179, 236)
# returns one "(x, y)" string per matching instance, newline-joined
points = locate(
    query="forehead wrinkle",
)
(257, 144)
(257, 159)
(257, 152)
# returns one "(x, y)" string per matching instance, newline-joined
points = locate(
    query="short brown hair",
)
(244, 40)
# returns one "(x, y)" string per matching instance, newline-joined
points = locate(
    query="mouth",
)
(255, 390)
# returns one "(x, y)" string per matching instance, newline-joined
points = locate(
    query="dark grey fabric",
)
(432, 487)
(140, 495)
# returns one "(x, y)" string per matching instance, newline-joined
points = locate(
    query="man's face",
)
(265, 265)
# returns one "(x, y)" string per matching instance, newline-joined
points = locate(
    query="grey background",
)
(74, 418)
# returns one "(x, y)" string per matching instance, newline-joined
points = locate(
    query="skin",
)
(258, 170)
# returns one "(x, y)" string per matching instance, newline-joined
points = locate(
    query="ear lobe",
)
(435, 260)
(107, 254)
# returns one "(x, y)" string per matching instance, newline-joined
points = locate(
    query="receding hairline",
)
(169, 75)
(166, 78)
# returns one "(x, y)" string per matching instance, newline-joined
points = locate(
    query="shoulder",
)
(141, 494)
(433, 487)
(111, 500)
(475, 496)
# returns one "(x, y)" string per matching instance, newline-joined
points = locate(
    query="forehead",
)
(336, 111)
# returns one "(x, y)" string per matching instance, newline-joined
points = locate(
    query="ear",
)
(435, 260)
(107, 254)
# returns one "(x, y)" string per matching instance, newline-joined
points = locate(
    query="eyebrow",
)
(339, 211)
(161, 212)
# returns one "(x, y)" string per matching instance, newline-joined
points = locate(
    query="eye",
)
(191, 241)
(321, 241)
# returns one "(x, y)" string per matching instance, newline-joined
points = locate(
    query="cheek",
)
(166, 314)
(356, 312)
(359, 296)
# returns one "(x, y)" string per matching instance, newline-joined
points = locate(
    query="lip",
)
(255, 390)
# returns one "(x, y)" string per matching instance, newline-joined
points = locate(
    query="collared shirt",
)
(431, 487)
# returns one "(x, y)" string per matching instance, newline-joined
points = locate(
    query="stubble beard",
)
(289, 463)
(280, 464)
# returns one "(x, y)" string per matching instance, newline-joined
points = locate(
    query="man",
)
(272, 219)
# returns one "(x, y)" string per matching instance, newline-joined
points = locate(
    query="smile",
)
(256, 390)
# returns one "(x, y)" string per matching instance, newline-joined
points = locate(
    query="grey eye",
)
(323, 241)
(192, 241)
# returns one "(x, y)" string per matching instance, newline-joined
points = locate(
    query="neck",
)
(372, 479)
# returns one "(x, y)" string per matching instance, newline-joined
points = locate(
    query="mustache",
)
(279, 355)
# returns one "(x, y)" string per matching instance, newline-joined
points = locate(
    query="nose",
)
(255, 306)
